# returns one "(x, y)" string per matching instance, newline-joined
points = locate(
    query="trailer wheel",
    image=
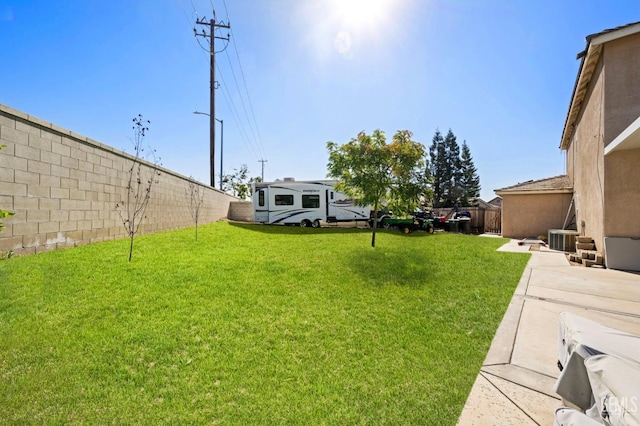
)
(406, 229)
(315, 223)
(305, 224)
(430, 230)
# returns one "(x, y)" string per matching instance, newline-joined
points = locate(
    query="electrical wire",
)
(225, 91)
(235, 47)
(244, 107)
(244, 81)
(194, 8)
(255, 146)
(232, 108)
(184, 12)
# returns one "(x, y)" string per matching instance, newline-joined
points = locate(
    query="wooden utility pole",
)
(262, 161)
(212, 24)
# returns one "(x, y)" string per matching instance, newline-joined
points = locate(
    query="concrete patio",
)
(515, 383)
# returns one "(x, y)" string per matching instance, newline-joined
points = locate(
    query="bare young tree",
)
(140, 182)
(195, 197)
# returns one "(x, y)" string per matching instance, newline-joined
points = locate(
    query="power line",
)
(253, 144)
(244, 81)
(184, 12)
(244, 107)
(234, 113)
(226, 11)
(237, 118)
(235, 47)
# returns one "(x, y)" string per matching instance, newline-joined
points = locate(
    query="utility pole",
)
(221, 147)
(212, 24)
(262, 161)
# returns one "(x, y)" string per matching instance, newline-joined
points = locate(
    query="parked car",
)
(423, 214)
(383, 216)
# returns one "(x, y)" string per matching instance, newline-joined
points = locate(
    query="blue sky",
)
(498, 73)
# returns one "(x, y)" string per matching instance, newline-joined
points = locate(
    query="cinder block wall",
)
(242, 211)
(63, 188)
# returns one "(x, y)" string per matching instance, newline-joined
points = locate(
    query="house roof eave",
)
(628, 139)
(589, 60)
(587, 68)
(502, 193)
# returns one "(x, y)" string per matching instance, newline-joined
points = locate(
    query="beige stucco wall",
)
(63, 188)
(622, 196)
(607, 190)
(622, 107)
(585, 161)
(532, 215)
(622, 85)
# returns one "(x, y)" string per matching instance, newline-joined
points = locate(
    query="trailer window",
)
(311, 201)
(261, 198)
(284, 200)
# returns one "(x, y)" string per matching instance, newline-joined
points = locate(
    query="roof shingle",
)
(556, 183)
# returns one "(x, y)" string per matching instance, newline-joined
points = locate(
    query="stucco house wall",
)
(601, 137)
(622, 197)
(607, 190)
(532, 215)
(622, 108)
(585, 161)
(622, 98)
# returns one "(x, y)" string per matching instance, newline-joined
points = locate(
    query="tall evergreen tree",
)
(452, 175)
(470, 182)
(437, 166)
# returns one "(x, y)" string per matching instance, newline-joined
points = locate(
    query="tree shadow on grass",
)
(389, 266)
(296, 230)
(331, 229)
(390, 263)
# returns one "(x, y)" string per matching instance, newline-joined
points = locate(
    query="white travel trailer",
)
(303, 203)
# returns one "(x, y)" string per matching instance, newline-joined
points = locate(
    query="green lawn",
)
(251, 324)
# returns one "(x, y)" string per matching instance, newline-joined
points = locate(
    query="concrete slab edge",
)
(524, 377)
(501, 348)
(514, 403)
(502, 344)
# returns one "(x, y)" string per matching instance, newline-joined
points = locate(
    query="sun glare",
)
(359, 13)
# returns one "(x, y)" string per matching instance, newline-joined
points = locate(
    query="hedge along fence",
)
(63, 188)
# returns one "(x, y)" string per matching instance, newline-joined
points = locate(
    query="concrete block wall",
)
(241, 211)
(63, 188)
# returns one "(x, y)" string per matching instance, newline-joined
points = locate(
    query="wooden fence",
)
(482, 220)
(493, 221)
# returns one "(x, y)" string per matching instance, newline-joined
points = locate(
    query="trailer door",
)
(326, 203)
(261, 205)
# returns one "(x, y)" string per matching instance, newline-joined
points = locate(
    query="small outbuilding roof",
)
(483, 204)
(557, 184)
(497, 201)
